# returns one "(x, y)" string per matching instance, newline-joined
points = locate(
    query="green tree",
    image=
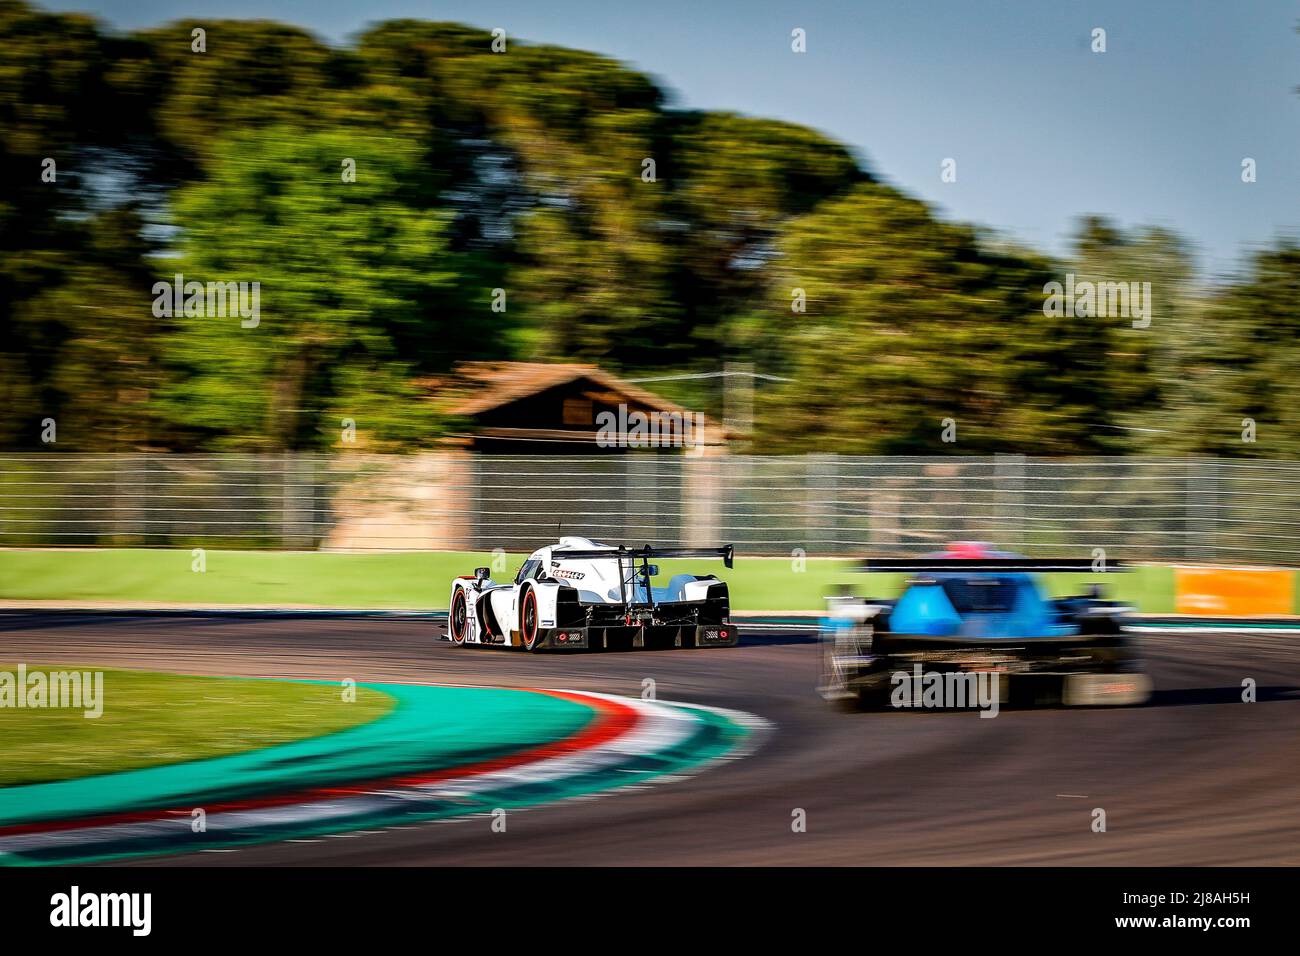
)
(1132, 379)
(735, 182)
(346, 272)
(75, 348)
(251, 73)
(1242, 367)
(910, 321)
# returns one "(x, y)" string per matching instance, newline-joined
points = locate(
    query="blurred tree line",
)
(547, 204)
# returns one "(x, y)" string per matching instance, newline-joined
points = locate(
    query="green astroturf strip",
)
(422, 580)
(713, 736)
(430, 728)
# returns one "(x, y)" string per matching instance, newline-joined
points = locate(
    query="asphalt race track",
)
(1195, 778)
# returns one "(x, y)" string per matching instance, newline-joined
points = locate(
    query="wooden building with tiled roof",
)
(524, 408)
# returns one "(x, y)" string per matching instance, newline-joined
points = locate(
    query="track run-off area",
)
(623, 758)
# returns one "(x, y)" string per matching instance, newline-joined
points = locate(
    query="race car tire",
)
(458, 618)
(530, 634)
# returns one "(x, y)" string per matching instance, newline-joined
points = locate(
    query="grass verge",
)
(422, 580)
(153, 719)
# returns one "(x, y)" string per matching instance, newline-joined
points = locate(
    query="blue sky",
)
(1153, 131)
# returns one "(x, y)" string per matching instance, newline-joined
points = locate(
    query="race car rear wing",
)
(726, 553)
(921, 565)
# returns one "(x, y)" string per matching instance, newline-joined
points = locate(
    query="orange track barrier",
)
(1234, 591)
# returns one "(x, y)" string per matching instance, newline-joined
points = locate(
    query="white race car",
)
(578, 594)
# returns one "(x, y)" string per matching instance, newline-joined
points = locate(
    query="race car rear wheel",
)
(529, 632)
(458, 618)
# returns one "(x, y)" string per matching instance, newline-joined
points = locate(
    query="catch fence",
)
(1222, 510)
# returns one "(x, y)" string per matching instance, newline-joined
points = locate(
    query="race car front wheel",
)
(457, 618)
(528, 630)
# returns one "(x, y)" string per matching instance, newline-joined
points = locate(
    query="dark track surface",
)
(1196, 777)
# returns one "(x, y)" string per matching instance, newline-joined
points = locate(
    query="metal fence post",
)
(1009, 514)
(1201, 505)
(822, 483)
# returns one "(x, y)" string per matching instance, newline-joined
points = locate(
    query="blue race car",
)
(971, 611)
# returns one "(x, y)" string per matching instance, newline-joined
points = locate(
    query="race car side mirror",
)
(652, 570)
(482, 574)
